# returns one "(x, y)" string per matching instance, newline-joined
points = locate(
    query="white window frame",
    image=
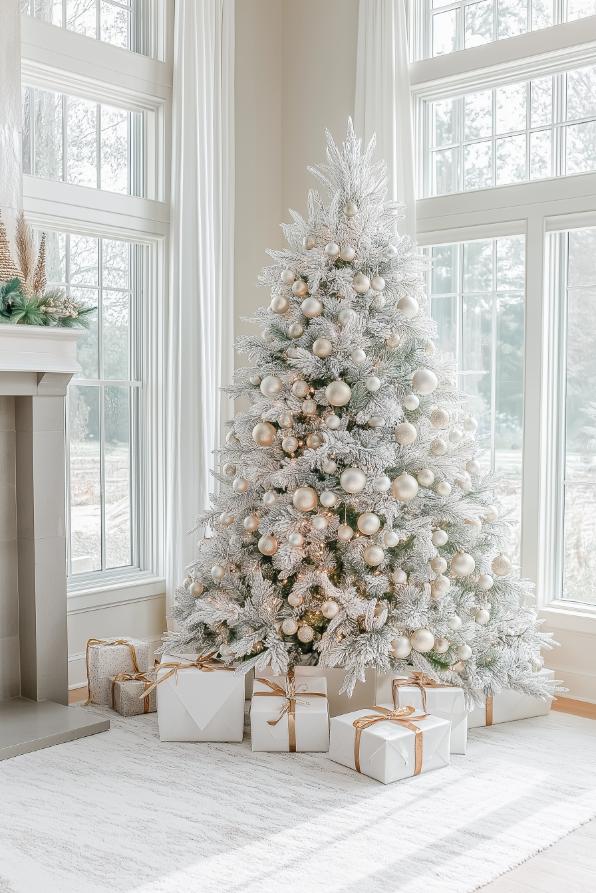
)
(53, 58)
(532, 209)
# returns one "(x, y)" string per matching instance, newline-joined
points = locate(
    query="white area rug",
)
(122, 812)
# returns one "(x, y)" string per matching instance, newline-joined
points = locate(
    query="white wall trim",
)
(100, 597)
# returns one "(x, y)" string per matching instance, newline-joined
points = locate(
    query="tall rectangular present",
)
(199, 699)
(390, 745)
(363, 694)
(428, 696)
(134, 694)
(106, 658)
(289, 713)
(508, 705)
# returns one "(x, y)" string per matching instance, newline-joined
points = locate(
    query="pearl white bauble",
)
(439, 537)
(311, 307)
(353, 480)
(378, 302)
(264, 434)
(329, 466)
(368, 523)
(295, 600)
(441, 645)
(289, 627)
(229, 470)
(300, 288)
(295, 330)
(269, 498)
(322, 347)
(438, 564)
(358, 356)
(344, 533)
(289, 444)
(295, 539)
(347, 253)
(255, 380)
(241, 485)
(314, 440)
(306, 633)
(381, 484)
(464, 652)
(408, 306)
(393, 340)
(309, 407)
(328, 499)
(501, 566)
(361, 283)
(401, 647)
(332, 250)
(332, 422)
(482, 616)
(378, 283)
(454, 622)
(338, 393)
(424, 381)
(305, 499)
(267, 545)
(438, 447)
(376, 421)
(491, 513)
(373, 555)
(463, 564)
(405, 433)
(425, 477)
(308, 242)
(279, 304)
(456, 435)
(404, 487)
(197, 588)
(399, 577)
(372, 383)
(473, 467)
(271, 386)
(346, 315)
(350, 208)
(390, 538)
(319, 522)
(300, 388)
(226, 519)
(251, 522)
(422, 640)
(485, 582)
(411, 402)
(440, 586)
(218, 572)
(470, 424)
(439, 417)
(329, 609)
(287, 277)
(443, 488)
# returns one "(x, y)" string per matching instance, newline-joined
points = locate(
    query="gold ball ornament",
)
(287, 277)
(378, 283)
(286, 419)
(381, 484)
(305, 499)
(271, 386)
(422, 640)
(501, 566)
(295, 600)
(438, 564)
(329, 609)
(267, 545)
(439, 417)
(197, 588)
(440, 586)
(347, 253)
(308, 242)
(295, 330)
(289, 627)
(300, 388)
(346, 316)
(368, 523)
(251, 522)
(338, 393)
(401, 647)
(425, 477)
(344, 533)
(373, 556)
(332, 422)
(305, 633)
(264, 434)
(405, 433)
(229, 470)
(322, 348)
(424, 381)
(309, 407)
(404, 487)
(440, 537)
(218, 572)
(361, 283)
(295, 539)
(299, 288)
(409, 306)
(279, 304)
(390, 538)
(289, 444)
(353, 480)
(241, 485)
(314, 440)
(332, 250)
(255, 380)
(311, 308)
(441, 645)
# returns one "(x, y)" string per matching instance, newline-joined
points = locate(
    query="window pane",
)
(444, 27)
(47, 10)
(578, 9)
(541, 154)
(42, 134)
(478, 266)
(581, 147)
(115, 24)
(444, 270)
(581, 93)
(445, 178)
(115, 311)
(511, 268)
(119, 22)
(579, 543)
(511, 108)
(117, 476)
(478, 23)
(513, 18)
(444, 122)
(478, 115)
(81, 142)
(511, 160)
(444, 312)
(85, 479)
(114, 149)
(478, 165)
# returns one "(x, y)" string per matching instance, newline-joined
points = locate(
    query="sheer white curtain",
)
(200, 320)
(383, 104)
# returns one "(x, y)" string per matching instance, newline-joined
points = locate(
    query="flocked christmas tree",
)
(353, 526)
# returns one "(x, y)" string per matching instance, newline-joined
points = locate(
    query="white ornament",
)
(306, 633)
(344, 533)
(197, 589)
(295, 600)
(267, 545)
(405, 433)
(438, 447)
(287, 277)
(329, 466)
(393, 340)
(390, 538)
(399, 577)
(439, 417)
(376, 421)
(251, 522)
(454, 622)
(347, 253)
(404, 487)
(319, 522)
(381, 484)
(289, 444)
(332, 422)
(408, 306)
(426, 477)
(361, 283)
(295, 539)
(368, 523)
(241, 485)
(439, 537)
(338, 393)
(271, 386)
(373, 555)
(346, 316)
(473, 467)
(463, 564)
(295, 330)
(218, 572)
(308, 243)
(255, 380)
(329, 609)
(311, 307)
(378, 283)
(501, 566)
(279, 304)
(456, 435)
(300, 288)
(440, 586)
(309, 407)
(438, 564)
(332, 250)
(422, 640)
(372, 383)
(353, 480)
(464, 652)
(358, 356)
(328, 499)
(289, 627)
(401, 647)
(485, 582)
(269, 498)
(441, 645)
(350, 208)
(300, 388)
(411, 402)
(482, 616)
(229, 470)
(322, 347)
(424, 381)
(305, 499)
(264, 434)
(443, 488)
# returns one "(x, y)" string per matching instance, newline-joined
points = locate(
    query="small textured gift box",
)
(131, 695)
(390, 745)
(289, 713)
(362, 696)
(428, 696)
(507, 706)
(199, 699)
(106, 658)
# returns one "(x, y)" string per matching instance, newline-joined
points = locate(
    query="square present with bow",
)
(199, 699)
(134, 694)
(390, 744)
(289, 714)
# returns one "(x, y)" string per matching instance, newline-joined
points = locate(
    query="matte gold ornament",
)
(393, 340)
(485, 582)
(401, 647)
(353, 480)
(329, 609)
(332, 250)
(287, 277)
(454, 622)
(328, 499)
(391, 539)
(300, 288)
(338, 393)
(372, 383)
(458, 667)
(368, 523)
(218, 572)
(440, 537)
(295, 330)
(358, 356)
(305, 499)
(229, 469)
(409, 306)
(286, 419)
(300, 388)
(438, 564)
(482, 616)
(441, 645)
(422, 640)
(226, 519)
(440, 586)
(311, 308)
(295, 600)
(443, 488)
(411, 402)
(463, 564)
(439, 417)
(378, 283)
(501, 566)
(404, 487)
(373, 556)
(350, 208)
(464, 652)
(347, 253)
(306, 633)
(438, 447)
(295, 539)
(255, 380)
(405, 433)
(241, 485)
(197, 588)
(319, 523)
(314, 440)
(251, 522)
(361, 283)
(322, 348)
(309, 407)
(425, 477)
(308, 243)
(332, 422)
(346, 316)
(279, 304)
(344, 533)
(264, 434)
(289, 444)
(424, 381)
(267, 545)
(271, 386)
(289, 627)
(329, 466)
(269, 498)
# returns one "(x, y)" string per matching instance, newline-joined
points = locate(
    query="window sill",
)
(139, 588)
(571, 616)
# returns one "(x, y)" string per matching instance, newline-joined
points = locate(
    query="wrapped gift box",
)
(445, 701)
(130, 695)
(363, 695)
(390, 749)
(508, 705)
(107, 658)
(289, 713)
(198, 700)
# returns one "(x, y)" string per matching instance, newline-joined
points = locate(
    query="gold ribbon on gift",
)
(134, 677)
(207, 664)
(402, 716)
(489, 710)
(129, 645)
(291, 697)
(419, 680)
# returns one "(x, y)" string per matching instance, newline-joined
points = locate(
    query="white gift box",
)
(445, 701)
(363, 695)
(107, 658)
(506, 706)
(198, 705)
(283, 718)
(387, 750)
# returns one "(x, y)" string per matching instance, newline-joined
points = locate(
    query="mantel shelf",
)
(39, 349)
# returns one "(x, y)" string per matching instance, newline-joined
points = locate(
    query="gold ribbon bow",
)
(134, 677)
(207, 664)
(419, 680)
(291, 698)
(401, 715)
(129, 645)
